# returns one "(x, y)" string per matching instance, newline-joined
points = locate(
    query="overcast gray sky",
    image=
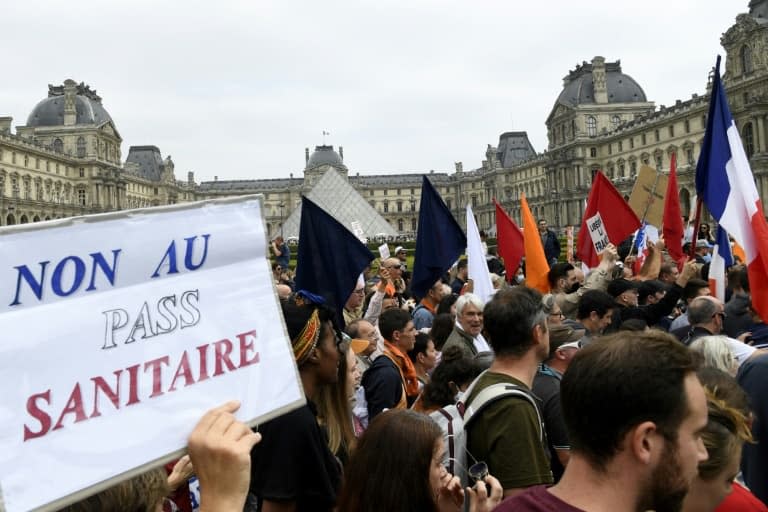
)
(238, 89)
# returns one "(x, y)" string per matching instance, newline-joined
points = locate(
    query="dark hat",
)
(650, 287)
(562, 335)
(619, 286)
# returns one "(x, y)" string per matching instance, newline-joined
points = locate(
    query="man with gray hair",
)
(466, 334)
(706, 315)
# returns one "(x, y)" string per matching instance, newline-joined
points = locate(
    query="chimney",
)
(341, 153)
(190, 178)
(5, 124)
(306, 156)
(70, 92)
(598, 79)
(459, 167)
(215, 178)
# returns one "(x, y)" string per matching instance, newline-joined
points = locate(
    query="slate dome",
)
(579, 88)
(325, 155)
(50, 111)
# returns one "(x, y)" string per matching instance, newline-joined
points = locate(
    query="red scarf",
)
(407, 370)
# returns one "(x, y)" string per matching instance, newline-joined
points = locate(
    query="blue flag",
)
(439, 242)
(330, 257)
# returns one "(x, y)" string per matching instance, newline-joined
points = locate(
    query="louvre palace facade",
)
(67, 159)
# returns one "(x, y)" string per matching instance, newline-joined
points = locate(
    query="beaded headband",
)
(307, 339)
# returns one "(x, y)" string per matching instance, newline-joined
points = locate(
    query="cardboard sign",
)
(647, 198)
(384, 252)
(598, 233)
(120, 330)
(569, 244)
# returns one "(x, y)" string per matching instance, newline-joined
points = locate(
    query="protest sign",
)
(120, 330)
(647, 198)
(384, 251)
(598, 233)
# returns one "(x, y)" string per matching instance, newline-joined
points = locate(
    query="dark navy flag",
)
(330, 257)
(439, 241)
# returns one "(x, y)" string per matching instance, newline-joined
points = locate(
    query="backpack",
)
(454, 419)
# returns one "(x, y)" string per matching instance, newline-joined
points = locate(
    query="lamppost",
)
(281, 205)
(557, 208)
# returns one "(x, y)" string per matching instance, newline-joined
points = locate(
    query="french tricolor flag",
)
(722, 258)
(725, 182)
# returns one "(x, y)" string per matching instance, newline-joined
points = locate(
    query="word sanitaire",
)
(192, 366)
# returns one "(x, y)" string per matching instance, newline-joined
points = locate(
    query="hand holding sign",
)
(220, 448)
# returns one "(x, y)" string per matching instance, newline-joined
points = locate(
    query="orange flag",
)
(739, 251)
(536, 266)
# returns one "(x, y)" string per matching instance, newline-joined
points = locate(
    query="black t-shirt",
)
(546, 387)
(293, 462)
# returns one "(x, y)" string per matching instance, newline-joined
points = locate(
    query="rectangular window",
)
(656, 135)
(643, 140)
(671, 130)
(621, 146)
(631, 143)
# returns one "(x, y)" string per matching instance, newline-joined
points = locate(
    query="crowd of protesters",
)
(615, 391)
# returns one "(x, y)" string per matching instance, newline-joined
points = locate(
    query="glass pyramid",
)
(336, 196)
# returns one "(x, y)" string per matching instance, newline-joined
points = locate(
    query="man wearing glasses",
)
(564, 342)
(707, 315)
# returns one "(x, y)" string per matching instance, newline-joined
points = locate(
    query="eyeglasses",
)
(721, 314)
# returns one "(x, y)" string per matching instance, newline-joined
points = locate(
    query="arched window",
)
(80, 147)
(413, 224)
(615, 121)
(400, 225)
(591, 126)
(746, 59)
(749, 140)
(58, 146)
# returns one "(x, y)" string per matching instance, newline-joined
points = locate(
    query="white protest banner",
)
(120, 330)
(357, 229)
(384, 251)
(597, 232)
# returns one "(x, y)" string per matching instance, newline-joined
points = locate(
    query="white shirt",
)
(478, 341)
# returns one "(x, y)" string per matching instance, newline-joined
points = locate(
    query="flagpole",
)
(696, 224)
(645, 213)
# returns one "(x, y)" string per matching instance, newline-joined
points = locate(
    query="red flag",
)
(673, 218)
(510, 240)
(610, 219)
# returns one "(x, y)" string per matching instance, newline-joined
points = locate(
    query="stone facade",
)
(67, 161)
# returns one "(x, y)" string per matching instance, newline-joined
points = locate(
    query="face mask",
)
(707, 258)
(574, 287)
(519, 278)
